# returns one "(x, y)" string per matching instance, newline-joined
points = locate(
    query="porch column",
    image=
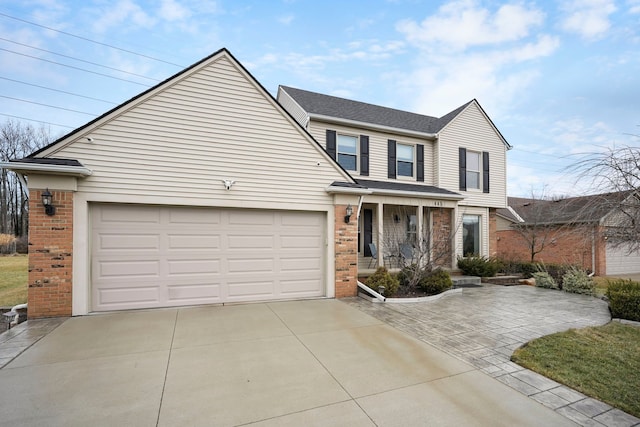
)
(420, 232)
(381, 245)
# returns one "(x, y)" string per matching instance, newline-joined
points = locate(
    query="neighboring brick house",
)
(572, 230)
(205, 189)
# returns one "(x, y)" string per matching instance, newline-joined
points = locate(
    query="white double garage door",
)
(151, 256)
(622, 261)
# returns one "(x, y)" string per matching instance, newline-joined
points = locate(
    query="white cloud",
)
(634, 6)
(170, 10)
(463, 24)
(588, 18)
(119, 13)
(286, 20)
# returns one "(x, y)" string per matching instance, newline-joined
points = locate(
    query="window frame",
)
(465, 232)
(477, 173)
(355, 155)
(412, 147)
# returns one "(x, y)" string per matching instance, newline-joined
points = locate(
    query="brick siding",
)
(346, 253)
(442, 253)
(50, 256)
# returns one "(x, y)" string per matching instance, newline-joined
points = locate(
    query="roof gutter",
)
(25, 168)
(334, 189)
(418, 134)
(417, 194)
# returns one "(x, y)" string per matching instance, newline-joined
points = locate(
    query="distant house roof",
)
(583, 209)
(332, 106)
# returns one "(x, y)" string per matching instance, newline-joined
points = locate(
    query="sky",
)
(558, 78)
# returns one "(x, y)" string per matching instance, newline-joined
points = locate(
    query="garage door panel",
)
(139, 269)
(118, 242)
(195, 293)
(146, 256)
(236, 241)
(621, 260)
(194, 241)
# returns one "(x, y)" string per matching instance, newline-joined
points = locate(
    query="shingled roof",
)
(332, 106)
(583, 209)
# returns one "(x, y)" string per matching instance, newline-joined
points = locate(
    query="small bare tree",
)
(16, 141)
(420, 251)
(615, 170)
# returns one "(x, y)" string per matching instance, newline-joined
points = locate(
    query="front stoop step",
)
(466, 280)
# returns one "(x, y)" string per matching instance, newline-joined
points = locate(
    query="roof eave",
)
(341, 121)
(418, 194)
(26, 168)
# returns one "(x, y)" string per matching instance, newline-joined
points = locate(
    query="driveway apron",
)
(315, 362)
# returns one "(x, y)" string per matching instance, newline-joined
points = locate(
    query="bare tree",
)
(421, 251)
(615, 170)
(17, 140)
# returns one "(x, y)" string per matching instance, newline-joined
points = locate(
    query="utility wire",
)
(35, 120)
(90, 40)
(47, 105)
(80, 60)
(58, 90)
(73, 67)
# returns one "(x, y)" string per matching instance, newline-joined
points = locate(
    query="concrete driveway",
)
(317, 362)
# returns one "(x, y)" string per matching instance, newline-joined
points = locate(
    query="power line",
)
(73, 67)
(35, 120)
(80, 60)
(58, 90)
(47, 105)
(90, 40)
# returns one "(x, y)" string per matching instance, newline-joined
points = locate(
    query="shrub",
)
(436, 282)
(382, 277)
(409, 275)
(526, 269)
(7, 244)
(624, 299)
(576, 281)
(544, 280)
(478, 266)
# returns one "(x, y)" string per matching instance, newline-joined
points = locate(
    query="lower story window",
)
(470, 235)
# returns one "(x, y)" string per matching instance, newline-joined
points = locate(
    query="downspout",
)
(371, 291)
(359, 206)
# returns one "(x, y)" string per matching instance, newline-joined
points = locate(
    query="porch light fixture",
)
(47, 197)
(347, 217)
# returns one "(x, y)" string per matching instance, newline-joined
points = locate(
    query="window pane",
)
(404, 153)
(473, 161)
(473, 179)
(347, 161)
(347, 144)
(470, 235)
(405, 169)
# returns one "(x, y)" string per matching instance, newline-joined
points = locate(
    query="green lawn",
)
(13, 279)
(602, 362)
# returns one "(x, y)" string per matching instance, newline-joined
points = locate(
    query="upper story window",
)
(347, 152)
(405, 160)
(473, 170)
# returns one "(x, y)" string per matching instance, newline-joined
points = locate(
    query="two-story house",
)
(204, 189)
(434, 184)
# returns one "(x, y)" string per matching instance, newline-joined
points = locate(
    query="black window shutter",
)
(364, 155)
(391, 149)
(331, 143)
(485, 171)
(462, 160)
(420, 162)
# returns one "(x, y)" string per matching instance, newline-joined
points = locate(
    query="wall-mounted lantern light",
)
(47, 199)
(347, 217)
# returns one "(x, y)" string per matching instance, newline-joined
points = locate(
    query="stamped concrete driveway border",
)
(484, 326)
(318, 362)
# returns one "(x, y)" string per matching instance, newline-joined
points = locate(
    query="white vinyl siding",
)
(183, 141)
(471, 130)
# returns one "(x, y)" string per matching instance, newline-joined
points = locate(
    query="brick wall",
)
(563, 246)
(346, 252)
(50, 256)
(493, 236)
(442, 253)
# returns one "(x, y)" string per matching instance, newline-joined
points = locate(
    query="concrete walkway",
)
(311, 363)
(483, 326)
